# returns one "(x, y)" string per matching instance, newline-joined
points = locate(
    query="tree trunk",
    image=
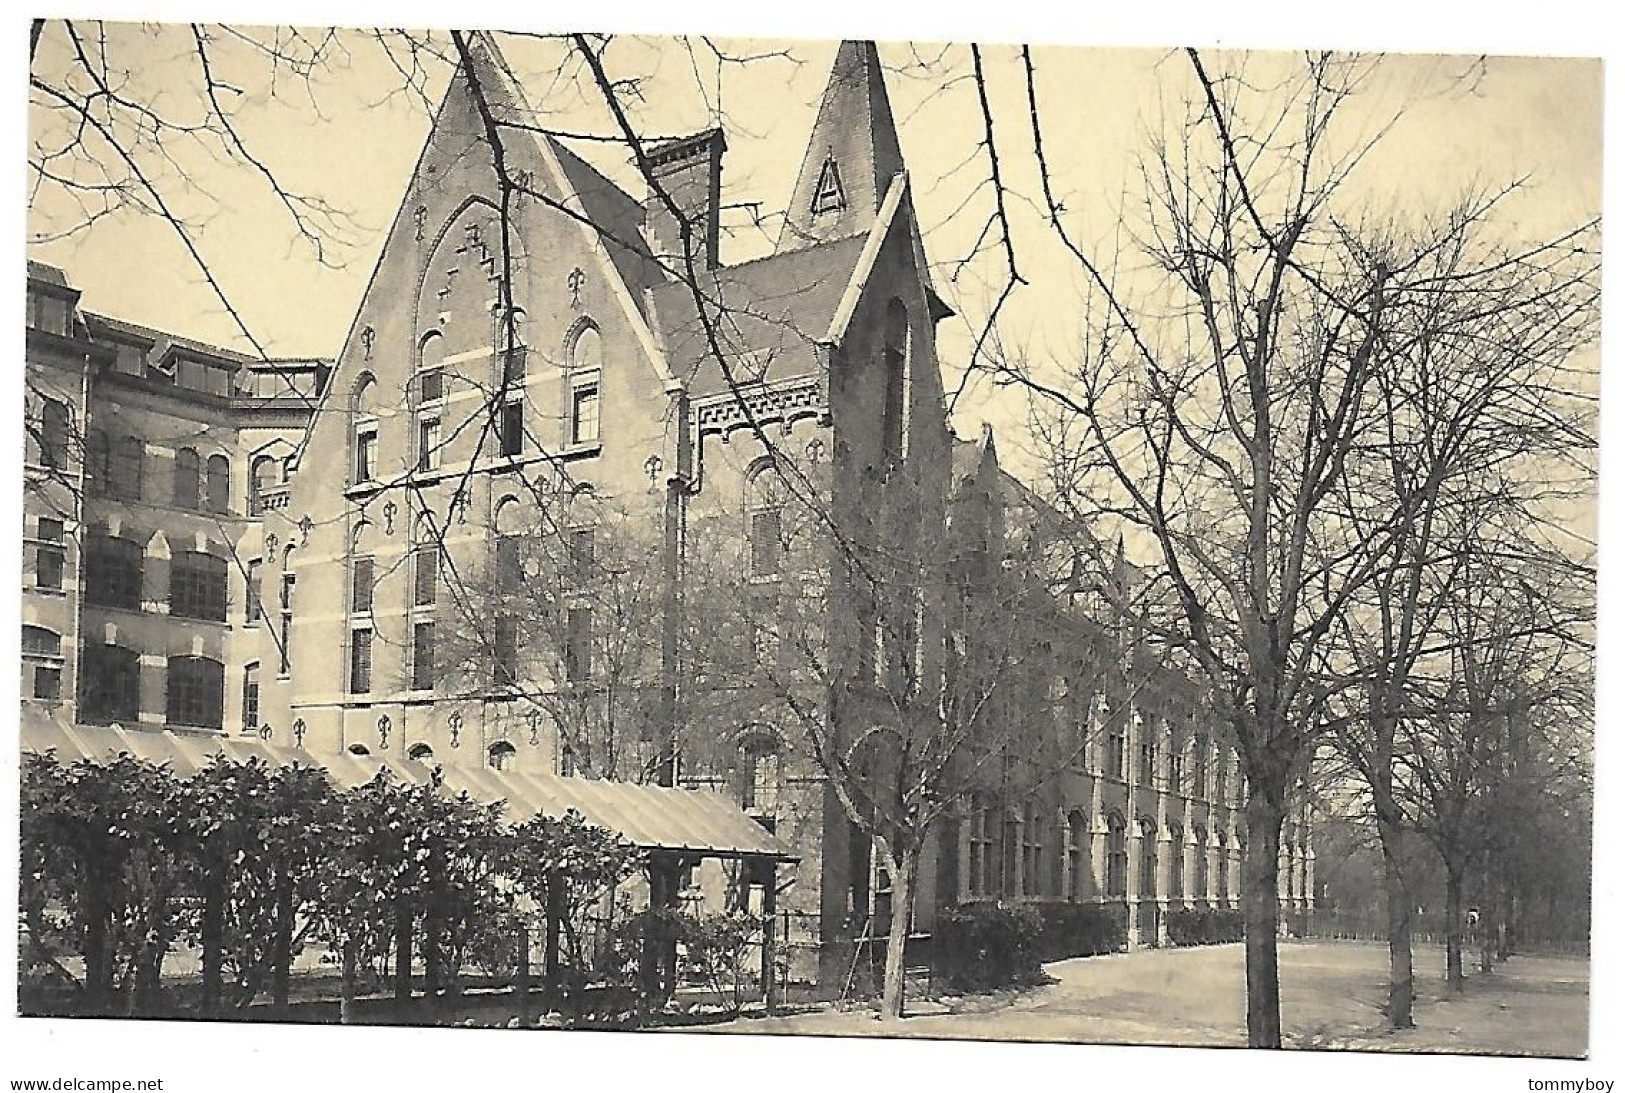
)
(907, 863)
(347, 978)
(1401, 970)
(1261, 913)
(553, 915)
(1453, 933)
(213, 930)
(403, 952)
(282, 953)
(521, 985)
(98, 962)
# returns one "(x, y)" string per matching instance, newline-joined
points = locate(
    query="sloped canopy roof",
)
(649, 817)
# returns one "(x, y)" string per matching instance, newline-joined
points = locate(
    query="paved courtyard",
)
(1331, 997)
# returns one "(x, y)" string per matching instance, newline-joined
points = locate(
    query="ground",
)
(1332, 994)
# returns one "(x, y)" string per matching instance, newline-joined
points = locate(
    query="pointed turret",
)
(851, 156)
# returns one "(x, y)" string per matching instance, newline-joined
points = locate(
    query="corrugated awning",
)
(649, 817)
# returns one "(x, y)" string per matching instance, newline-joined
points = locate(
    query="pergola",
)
(671, 826)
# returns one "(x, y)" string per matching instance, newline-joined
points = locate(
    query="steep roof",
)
(852, 154)
(768, 315)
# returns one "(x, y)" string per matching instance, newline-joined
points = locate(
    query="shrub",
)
(1083, 929)
(1204, 926)
(984, 946)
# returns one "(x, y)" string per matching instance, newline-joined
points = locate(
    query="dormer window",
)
(829, 197)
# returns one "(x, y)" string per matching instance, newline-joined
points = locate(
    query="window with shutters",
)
(425, 574)
(112, 572)
(361, 585)
(423, 656)
(196, 692)
(360, 660)
(197, 586)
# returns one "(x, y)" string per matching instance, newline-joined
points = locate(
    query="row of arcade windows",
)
(114, 577)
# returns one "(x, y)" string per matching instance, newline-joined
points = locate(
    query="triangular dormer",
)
(852, 154)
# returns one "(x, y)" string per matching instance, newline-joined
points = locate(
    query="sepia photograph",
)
(857, 537)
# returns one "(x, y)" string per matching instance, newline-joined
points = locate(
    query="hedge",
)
(985, 946)
(1204, 926)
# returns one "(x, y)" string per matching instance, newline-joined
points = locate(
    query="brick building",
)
(326, 555)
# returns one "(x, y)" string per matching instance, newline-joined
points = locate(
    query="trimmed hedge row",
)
(1204, 926)
(984, 946)
(1083, 929)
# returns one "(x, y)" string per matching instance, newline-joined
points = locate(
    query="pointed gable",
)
(851, 157)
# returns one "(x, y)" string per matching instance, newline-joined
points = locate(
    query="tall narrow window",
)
(366, 453)
(431, 386)
(429, 442)
(217, 489)
(285, 643)
(99, 463)
(1077, 839)
(895, 373)
(188, 481)
(254, 608)
(42, 657)
(1176, 862)
(1148, 859)
(583, 542)
(1199, 771)
(262, 476)
(251, 697)
(425, 572)
(513, 427)
(1116, 856)
(1223, 864)
(578, 645)
(361, 586)
(54, 429)
(125, 473)
(1199, 879)
(505, 651)
(1032, 851)
(584, 414)
(510, 574)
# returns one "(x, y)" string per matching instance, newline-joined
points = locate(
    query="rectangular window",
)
(361, 584)
(255, 609)
(196, 692)
(197, 587)
(584, 414)
(510, 575)
(578, 644)
(49, 562)
(513, 365)
(428, 443)
(47, 682)
(251, 697)
(423, 656)
(513, 427)
(766, 542)
(361, 660)
(366, 453)
(113, 573)
(431, 385)
(426, 570)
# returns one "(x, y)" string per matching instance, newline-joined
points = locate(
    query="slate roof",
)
(650, 817)
(768, 315)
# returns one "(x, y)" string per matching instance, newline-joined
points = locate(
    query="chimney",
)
(689, 169)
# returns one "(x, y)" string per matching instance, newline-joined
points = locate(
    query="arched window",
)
(1116, 856)
(217, 489)
(895, 374)
(1202, 745)
(188, 479)
(364, 430)
(1077, 841)
(42, 662)
(112, 571)
(764, 491)
(1199, 879)
(1033, 861)
(1148, 859)
(586, 370)
(420, 753)
(1222, 863)
(1116, 745)
(197, 586)
(196, 692)
(359, 750)
(262, 476)
(500, 756)
(110, 676)
(1176, 862)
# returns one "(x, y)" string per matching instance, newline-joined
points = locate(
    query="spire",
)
(851, 156)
